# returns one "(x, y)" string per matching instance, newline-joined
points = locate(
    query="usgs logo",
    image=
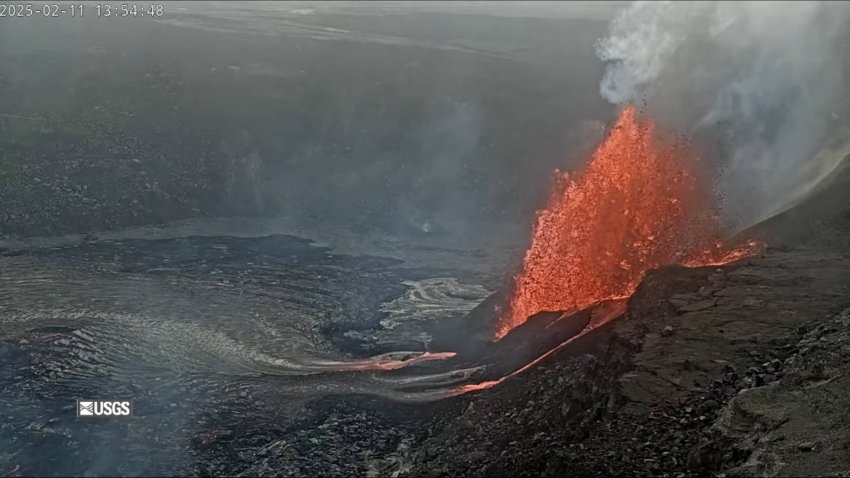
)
(104, 408)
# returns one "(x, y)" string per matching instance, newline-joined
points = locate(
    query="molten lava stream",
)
(602, 315)
(638, 205)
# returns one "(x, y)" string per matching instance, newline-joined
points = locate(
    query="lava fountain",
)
(639, 204)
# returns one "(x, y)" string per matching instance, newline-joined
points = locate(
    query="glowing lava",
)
(636, 206)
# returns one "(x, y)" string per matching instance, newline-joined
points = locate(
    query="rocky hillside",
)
(738, 369)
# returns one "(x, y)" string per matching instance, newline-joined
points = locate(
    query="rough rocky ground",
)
(797, 424)
(644, 396)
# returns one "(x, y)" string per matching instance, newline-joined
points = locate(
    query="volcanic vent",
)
(639, 204)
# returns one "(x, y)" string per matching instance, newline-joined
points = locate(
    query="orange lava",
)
(636, 206)
(603, 314)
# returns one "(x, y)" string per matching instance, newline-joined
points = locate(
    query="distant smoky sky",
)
(764, 78)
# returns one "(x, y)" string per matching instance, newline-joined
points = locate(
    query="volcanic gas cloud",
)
(639, 204)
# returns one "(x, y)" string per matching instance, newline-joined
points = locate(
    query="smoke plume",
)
(763, 77)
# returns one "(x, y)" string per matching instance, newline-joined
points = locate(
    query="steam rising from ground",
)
(765, 77)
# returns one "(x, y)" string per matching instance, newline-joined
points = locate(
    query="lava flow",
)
(638, 205)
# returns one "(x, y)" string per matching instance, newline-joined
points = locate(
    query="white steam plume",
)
(766, 77)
